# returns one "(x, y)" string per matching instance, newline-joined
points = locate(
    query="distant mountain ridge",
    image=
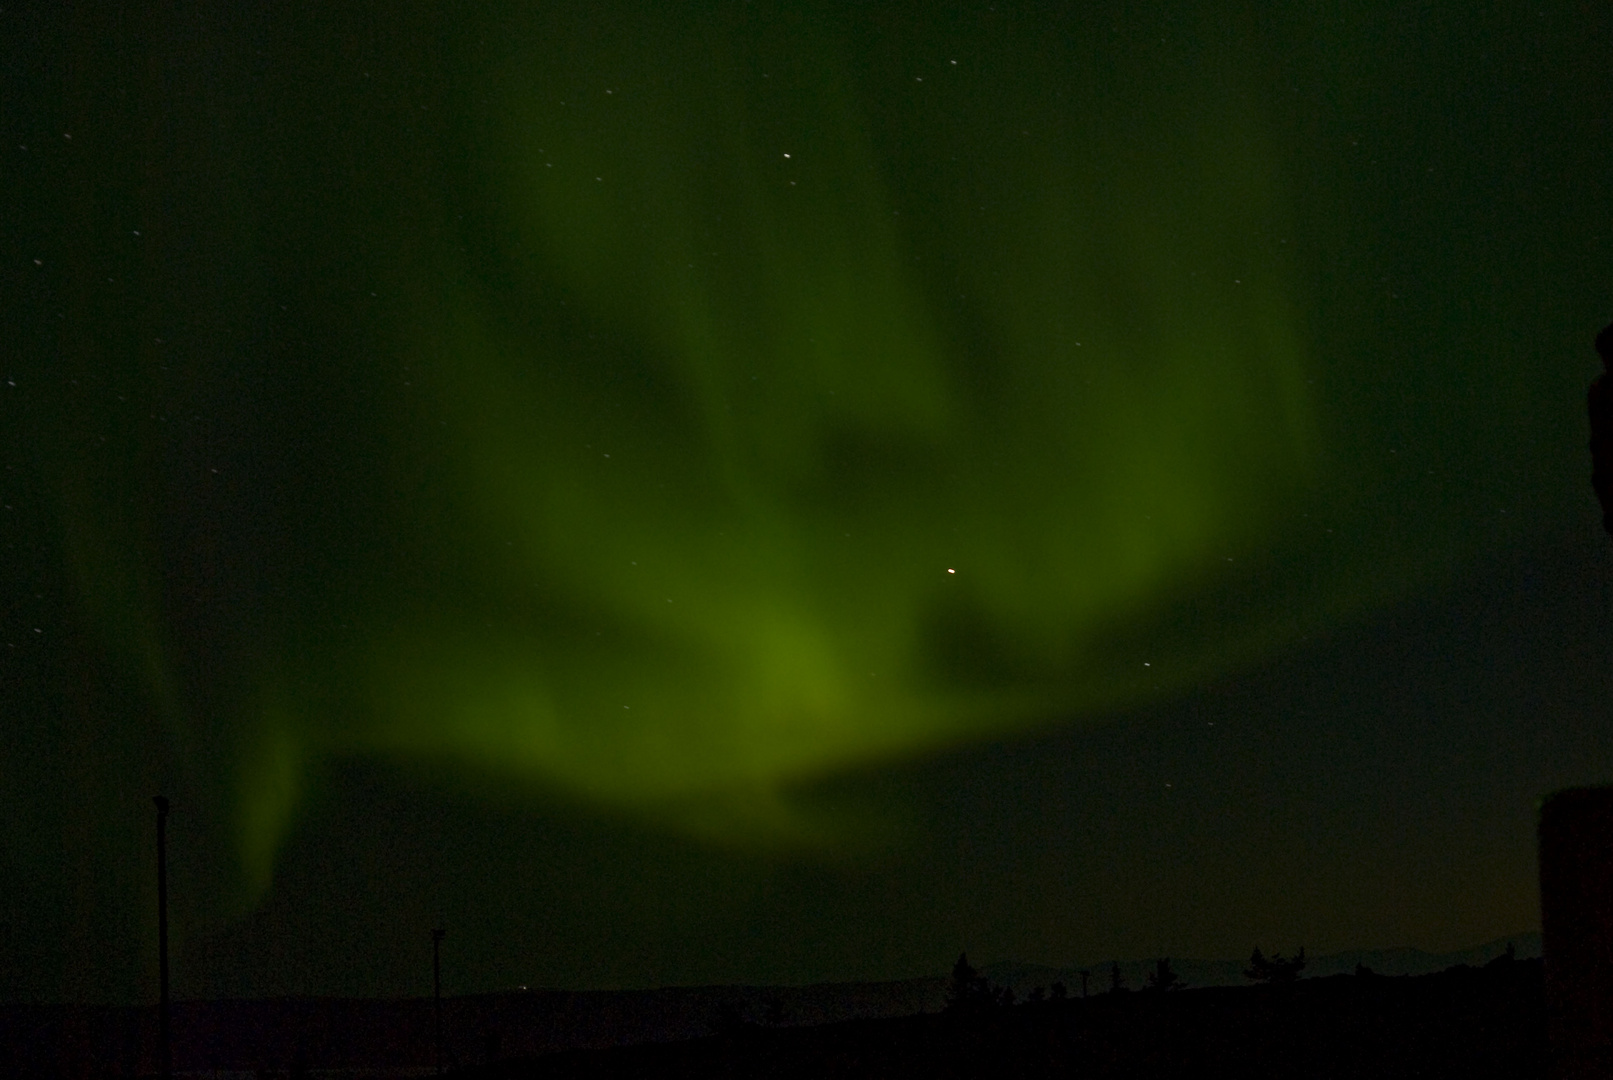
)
(1022, 978)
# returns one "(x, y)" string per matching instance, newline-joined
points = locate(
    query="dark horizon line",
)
(1433, 960)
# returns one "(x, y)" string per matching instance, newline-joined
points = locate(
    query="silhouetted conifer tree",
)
(969, 991)
(1117, 982)
(1163, 977)
(1600, 403)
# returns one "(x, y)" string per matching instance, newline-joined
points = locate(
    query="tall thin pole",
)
(164, 1053)
(436, 989)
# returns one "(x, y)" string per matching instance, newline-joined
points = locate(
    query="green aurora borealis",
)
(803, 499)
(671, 413)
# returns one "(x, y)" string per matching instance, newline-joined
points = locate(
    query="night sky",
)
(778, 492)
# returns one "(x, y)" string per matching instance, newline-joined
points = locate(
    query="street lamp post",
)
(436, 989)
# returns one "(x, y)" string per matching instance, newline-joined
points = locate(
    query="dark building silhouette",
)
(1576, 916)
(1576, 851)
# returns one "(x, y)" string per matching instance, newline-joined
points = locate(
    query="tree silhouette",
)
(1277, 969)
(1599, 401)
(1117, 982)
(1163, 977)
(969, 990)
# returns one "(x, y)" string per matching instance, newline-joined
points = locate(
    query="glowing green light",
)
(787, 478)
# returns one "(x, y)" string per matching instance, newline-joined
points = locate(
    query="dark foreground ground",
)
(1468, 1022)
(1465, 1022)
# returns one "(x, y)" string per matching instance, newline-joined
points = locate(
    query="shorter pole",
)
(436, 989)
